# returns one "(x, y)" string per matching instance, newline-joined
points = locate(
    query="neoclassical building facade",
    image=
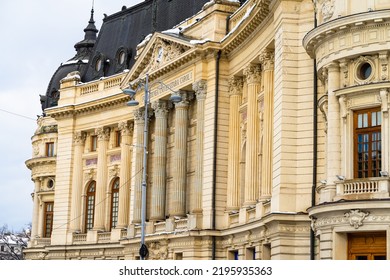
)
(241, 167)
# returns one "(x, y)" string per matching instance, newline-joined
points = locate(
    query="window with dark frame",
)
(367, 143)
(93, 143)
(114, 203)
(48, 222)
(117, 138)
(90, 206)
(50, 149)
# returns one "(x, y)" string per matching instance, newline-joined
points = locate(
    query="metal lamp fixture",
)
(143, 251)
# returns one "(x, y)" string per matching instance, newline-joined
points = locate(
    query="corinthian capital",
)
(200, 88)
(103, 133)
(160, 108)
(79, 137)
(125, 127)
(235, 86)
(267, 58)
(253, 73)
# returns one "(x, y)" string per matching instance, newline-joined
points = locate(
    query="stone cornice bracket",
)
(384, 98)
(103, 133)
(200, 88)
(252, 73)
(344, 63)
(126, 128)
(160, 108)
(236, 86)
(383, 60)
(356, 217)
(79, 137)
(267, 58)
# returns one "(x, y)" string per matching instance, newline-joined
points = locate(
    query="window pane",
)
(373, 119)
(365, 120)
(379, 118)
(360, 121)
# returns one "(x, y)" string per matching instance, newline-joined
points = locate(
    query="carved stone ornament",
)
(253, 73)
(327, 9)
(158, 250)
(356, 217)
(200, 88)
(103, 133)
(79, 137)
(126, 128)
(235, 86)
(160, 108)
(114, 171)
(267, 58)
(323, 106)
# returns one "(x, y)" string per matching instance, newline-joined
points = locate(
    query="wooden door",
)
(367, 246)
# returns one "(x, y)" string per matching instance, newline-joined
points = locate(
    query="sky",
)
(36, 37)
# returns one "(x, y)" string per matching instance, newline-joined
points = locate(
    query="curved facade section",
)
(351, 48)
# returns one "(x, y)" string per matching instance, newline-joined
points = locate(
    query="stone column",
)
(35, 217)
(126, 130)
(253, 78)
(200, 88)
(103, 135)
(178, 200)
(77, 181)
(160, 160)
(233, 187)
(139, 119)
(333, 135)
(267, 62)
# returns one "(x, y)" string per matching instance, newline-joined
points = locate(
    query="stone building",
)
(241, 167)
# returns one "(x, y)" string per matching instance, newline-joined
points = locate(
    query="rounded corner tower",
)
(350, 46)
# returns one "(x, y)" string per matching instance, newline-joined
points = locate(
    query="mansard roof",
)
(118, 38)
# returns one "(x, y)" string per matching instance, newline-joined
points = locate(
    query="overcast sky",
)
(36, 37)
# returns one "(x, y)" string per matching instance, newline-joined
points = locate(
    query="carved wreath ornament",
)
(356, 217)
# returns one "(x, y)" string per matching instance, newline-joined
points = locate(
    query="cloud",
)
(37, 36)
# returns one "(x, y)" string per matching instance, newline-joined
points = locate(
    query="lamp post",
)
(143, 251)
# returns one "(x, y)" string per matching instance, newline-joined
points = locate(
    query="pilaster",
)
(233, 187)
(126, 129)
(77, 183)
(253, 77)
(103, 135)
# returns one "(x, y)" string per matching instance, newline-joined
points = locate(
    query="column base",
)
(195, 221)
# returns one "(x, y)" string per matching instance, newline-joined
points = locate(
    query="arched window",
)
(114, 203)
(90, 205)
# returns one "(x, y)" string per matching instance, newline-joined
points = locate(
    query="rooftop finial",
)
(92, 12)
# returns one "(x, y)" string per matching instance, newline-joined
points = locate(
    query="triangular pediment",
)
(160, 51)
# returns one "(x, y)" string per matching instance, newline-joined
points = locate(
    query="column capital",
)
(185, 100)
(79, 137)
(200, 88)
(160, 108)
(103, 133)
(235, 86)
(267, 58)
(253, 73)
(126, 128)
(333, 67)
(139, 115)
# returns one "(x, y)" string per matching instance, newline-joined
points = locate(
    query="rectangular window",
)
(367, 143)
(93, 143)
(50, 149)
(117, 139)
(48, 222)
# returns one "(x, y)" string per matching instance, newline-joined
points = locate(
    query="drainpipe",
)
(315, 150)
(215, 152)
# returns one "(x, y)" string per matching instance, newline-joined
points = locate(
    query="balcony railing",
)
(363, 188)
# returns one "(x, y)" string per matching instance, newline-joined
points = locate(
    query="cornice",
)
(318, 35)
(363, 88)
(258, 15)
(87, 107)
(31, 163)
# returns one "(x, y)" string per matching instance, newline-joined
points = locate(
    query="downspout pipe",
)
(315, 148)
(214, 189)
